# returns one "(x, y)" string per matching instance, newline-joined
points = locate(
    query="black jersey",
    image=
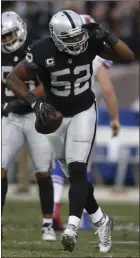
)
(8, 61)
(66, 78)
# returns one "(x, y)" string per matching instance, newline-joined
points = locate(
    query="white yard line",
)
(90, 242)
(119, 242)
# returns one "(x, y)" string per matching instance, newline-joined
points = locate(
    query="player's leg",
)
(58, 178)
(12, 141)
(78, 144)
(85, 222)
(80, 137)
(57, 141)
(41, 156)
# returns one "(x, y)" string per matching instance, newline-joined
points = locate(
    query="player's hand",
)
(15, 106)
(96, 31)
(4, 109)
(41, 108)
(48, 119)
(115, 126)
(44, 112)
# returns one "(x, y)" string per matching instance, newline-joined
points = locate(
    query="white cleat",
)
(48, 233)
(68, 238)
(104, 233)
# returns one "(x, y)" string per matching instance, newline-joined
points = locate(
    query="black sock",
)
(4, 188)
(46, 194)
(91, 204)
(78, 188)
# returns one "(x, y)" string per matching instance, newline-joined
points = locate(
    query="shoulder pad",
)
(40, 50)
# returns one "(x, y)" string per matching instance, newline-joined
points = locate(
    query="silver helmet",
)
(67, 32)
(13, 32)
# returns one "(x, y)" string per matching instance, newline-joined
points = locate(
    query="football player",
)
(18, 126)
(100, 76)
(63, 63)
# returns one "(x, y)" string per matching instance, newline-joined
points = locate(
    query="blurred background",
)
(114, 161)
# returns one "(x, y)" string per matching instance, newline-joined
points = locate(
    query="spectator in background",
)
(121, 17)
(99, 12)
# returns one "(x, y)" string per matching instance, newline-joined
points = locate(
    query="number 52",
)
(66, 90)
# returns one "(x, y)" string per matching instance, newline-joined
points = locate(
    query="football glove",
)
(5, 110)
(14, 106)
(44, 112)
(47, 118)
(97, 32)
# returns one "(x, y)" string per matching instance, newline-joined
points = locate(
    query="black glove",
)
(16, 107)
(43, 110)
(5, 109)
(97, 32)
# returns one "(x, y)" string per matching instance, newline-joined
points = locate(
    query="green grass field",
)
(22, 233)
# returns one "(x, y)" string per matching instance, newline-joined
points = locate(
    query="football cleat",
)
(48, 233)
(68, 238)
(104, 234)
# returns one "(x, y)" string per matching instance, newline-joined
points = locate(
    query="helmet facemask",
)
(73, 42)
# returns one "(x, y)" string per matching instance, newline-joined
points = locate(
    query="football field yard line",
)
(119, 242)
(90, 242)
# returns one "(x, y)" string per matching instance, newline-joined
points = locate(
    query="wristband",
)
(111, 40)
(30, 99)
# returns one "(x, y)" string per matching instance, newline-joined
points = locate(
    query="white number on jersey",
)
(66, 90)
(5, 71)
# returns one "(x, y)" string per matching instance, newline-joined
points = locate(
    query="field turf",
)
(22, 233)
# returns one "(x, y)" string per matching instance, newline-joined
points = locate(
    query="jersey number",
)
(81, 84)
(5, 71)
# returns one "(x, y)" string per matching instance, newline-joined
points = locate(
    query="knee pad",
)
(77, 171)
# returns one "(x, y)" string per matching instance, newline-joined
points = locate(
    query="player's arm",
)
(113, 48)
(102, 76)
(39, 90)
(27, 70)
(118, 50)
(16, 79)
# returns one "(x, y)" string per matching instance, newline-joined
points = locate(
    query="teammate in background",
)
(18, 126)
(63, 62)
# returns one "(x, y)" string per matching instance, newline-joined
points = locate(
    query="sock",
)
(58, 187)
(91, 204)
(98, 216)
(78, 188)
(73, 220)
(46, 194)
(47, 221)
(57, 215)
(4, 188)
